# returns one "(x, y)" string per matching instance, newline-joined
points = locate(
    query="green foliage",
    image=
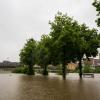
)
(88, 69)
(23, 70)
(27, 55)
(71, 41)
(88, 44)
(63, 37)
(63, 30)
(68, 41)
(59, 69)
(60, 72)
(97, 70)
(96, 4)
(43, 54)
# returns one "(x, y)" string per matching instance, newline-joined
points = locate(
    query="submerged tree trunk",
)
(64, 63)
(45, 72)
(30, 70)
(80, 68)
(64, 70)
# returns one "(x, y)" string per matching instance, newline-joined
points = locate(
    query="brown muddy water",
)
(52, 87)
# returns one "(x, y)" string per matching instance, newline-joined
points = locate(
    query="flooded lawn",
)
(53, 87)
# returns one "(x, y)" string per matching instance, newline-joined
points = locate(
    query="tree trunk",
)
(64, 63)
(80, 68)
(64, 70)
(30, 71)
(45, 72)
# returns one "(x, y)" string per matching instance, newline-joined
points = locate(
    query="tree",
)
(96, 4)
(43, 55)
(27, 55)
(87, 44)
(63, 38)
(72, 41)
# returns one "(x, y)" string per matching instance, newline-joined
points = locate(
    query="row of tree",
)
(68, 41)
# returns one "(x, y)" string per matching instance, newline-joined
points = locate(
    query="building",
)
(72, 66)
(8, 64)
(93, 62)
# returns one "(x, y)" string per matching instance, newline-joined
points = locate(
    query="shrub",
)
(97, 70)
(59, 72)
(59, 69)
(23, 70)
(88, 69)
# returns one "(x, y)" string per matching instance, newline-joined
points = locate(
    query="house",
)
(72, 66)
(92, 61)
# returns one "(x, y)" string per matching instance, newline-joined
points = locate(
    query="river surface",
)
(52, 87)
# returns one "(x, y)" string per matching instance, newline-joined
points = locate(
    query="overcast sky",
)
(22, 19)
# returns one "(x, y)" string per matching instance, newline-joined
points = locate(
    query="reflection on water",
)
(52, 87)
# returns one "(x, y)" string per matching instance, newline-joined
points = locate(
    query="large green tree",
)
(87, 44)
(27, 55)
(43, 54)
(63, 38)
(71, 41)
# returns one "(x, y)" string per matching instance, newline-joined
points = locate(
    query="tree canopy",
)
(96, 4)
(27, 55)
(72, 40)
(43, 54)
(68, 41)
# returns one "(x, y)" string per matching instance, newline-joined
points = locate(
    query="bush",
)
(60, 72)
(23, 70)
(74, 71)
(59, 69)
(97, 70)
(88, 69)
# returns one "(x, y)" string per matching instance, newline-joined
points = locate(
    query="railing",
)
(88, 74)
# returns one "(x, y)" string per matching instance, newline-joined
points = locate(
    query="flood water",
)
(52, 87)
